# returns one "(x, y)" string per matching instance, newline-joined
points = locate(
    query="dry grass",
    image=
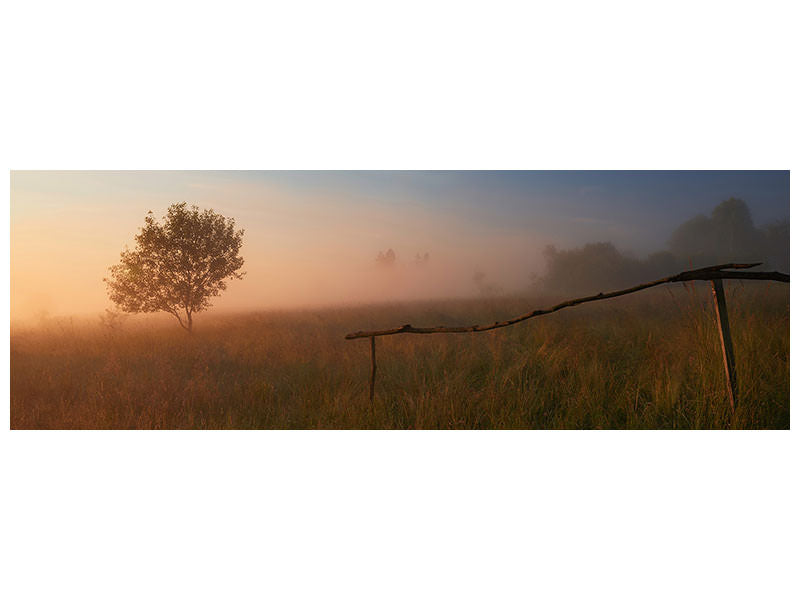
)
(651, 360)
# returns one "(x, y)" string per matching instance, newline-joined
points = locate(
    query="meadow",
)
(650, 360)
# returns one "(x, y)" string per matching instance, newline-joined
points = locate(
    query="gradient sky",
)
(311, 237)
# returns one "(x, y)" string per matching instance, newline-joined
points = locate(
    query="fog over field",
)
(326, 254)
(319, 238)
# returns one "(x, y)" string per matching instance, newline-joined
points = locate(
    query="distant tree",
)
(386, 260)
(734, 229)
(178, 265)
(727, 235)
(594, 267)
(421, 260)
(599, 266)
(692, 239)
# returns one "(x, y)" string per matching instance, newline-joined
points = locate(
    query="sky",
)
(311, 237)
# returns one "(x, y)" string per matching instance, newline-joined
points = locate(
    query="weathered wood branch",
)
(372, 373)
(706, 273)
(726, 341)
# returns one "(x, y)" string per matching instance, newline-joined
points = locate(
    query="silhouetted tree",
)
(600, 266)
(178, 265)
(388, 259)
(728, 235)
(596, 266)
(692, 239)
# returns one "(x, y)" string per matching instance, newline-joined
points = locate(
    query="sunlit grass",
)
(651, 360)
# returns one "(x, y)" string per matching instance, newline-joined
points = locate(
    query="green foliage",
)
(178, 265)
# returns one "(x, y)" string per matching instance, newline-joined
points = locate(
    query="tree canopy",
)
(727, 235)
(178, 265)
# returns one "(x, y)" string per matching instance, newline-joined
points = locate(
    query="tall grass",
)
(651, 360)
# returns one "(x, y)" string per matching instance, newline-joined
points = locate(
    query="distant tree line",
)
(728, 235)
(389, 259)
(386, 259)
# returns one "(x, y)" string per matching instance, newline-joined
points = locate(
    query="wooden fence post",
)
(374, 367)
(718, 290)
(716, 274)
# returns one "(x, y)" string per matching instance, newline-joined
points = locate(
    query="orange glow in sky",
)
(302, 246)
(311, 237)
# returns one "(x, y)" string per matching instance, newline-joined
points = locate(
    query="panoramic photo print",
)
(399, 300)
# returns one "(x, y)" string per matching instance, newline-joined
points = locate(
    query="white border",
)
(398, 514)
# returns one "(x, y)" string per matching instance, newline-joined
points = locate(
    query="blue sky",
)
(637, 210)
(643, 206)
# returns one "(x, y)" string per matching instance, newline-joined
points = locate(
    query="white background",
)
(411, 85)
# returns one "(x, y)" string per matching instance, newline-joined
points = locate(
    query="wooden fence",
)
(715, 274)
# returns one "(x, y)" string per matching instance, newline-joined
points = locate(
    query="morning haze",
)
(399, 300)
(312, 238)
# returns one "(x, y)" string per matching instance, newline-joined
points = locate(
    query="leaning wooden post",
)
(725, 339)
(374, 367)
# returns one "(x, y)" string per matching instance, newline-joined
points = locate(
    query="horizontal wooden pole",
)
(706, 273)
(762, 275)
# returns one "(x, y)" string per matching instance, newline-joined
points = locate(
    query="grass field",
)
(651, 360)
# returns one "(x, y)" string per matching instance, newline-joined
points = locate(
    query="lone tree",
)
(178, 265)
